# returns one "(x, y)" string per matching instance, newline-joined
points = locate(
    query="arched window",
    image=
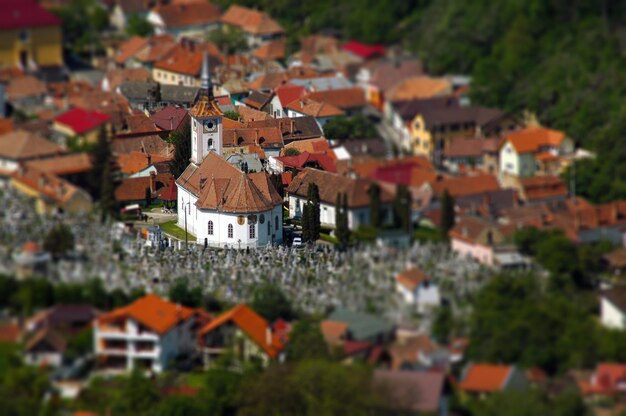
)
(210, 228)
(261, 140)
(239, 141)
(276, 223)
(252, 230)
(230, 231)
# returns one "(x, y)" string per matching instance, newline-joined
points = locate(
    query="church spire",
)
(206, 84)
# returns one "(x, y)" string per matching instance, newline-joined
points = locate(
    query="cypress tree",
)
(108, 203)
(447, 213)
(148, 197)
(182, 150)
(314, 213)
(374, 193)
(306, 222)
(100, 157)
(402, 208)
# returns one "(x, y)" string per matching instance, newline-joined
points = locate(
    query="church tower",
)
(206, 119)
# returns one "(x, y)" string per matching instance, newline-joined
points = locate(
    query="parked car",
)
(297, 242)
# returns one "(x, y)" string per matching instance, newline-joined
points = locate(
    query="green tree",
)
(139, 395)
(277, 180)
(270, 302)
(374, 194)
(356, 127)
(229, 41)
(181, 140)
(291, 151)
(342, 231)
(138, 26)
(108, 201)
(306, 341)
(180, 292)
(402, 208)
(313, 198)
(79, 345)
(59, 241)
(443, 324)
(233, 115)
(447, 214)
(148, 197)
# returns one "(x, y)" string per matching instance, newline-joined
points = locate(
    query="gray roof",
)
(362, 326)
(140, 90)
(252, 159)
(323, 83)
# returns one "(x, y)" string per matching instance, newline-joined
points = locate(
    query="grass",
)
(329, 238)
(427, 234)
(172, 229)
(196, 380)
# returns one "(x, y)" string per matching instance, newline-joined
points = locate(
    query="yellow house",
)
(51, 193)
(30, 36)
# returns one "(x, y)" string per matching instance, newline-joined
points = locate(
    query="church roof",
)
(222, 187)
(205, 107)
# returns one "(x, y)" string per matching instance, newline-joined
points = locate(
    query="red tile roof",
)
(485, 378)
(607, 379)
(532, 139)
(188, 14)
(251, 324)
(287, 93)
(466, 185)
(134, 189)
(317, 160)
(412, 278)
(252, 21)
(82, 121)
(344, 98)
(271, 50)
(543, 187)
(364, 50)
(22, 14)
(151, 311)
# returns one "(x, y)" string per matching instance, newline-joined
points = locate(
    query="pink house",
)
(476, 237)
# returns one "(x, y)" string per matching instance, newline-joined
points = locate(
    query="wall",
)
(421, 138)
(482, 254)
(43, 46)
(173, 78)
(356, 216)
(610, 316)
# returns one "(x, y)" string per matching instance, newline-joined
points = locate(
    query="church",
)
(217, 202)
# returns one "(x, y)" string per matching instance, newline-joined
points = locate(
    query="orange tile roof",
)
(318, 145)
(9, 332)
(187, 59)
(485, 378)
(134, 162)
(334, 332)
(129, 48)
(271, 50)
(541, 187)
(47, 184)
(182, 14)
(315, 108)
(419, 87)
(63, 165)
(412, 278)
(251, 324)
(118, 76)
(250, 114)
(151, 311)
(344, 98)
(6, 125)
(25, 86)
(223, 187)
(22, 145)
(252, 21)
(532, 139)
(466, 185)
(261, 136)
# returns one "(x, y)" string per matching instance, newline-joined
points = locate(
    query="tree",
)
(79, 345)
(277, 180)
(269, 301)
(447, 214)
(139, 395)
(148, 197)
(108, 202)
(443, 324)
(313, 199)
(100, 157)
(291, 151)
(402, 208)
(181, 140)
(233, 115)
(59, 240)
(374, 193)
(181, 293)
(306, 341)
(342, 231)
(138, 26)
(229, 41)
(356, 127)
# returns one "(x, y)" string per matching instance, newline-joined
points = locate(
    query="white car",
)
(297, 242)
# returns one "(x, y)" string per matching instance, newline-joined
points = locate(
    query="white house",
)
(613, 308)
(418, 289)
(330, 185)
(149, 333)
(217, 202)
(526, 151)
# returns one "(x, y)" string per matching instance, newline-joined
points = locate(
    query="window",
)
(210, 228)
(252, 231)
(230, 231)
(509, 150)
(24, 36)
(210, 143)
(276, 223)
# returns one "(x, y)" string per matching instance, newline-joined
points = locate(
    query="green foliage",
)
(356, 127)
(138, 26)
(530, 402)
(180, 292)
(79, 344)
(100, 178)
(182, 150)
(59, 241)
(139, 395)
(83, 24)
(443, 325)
(342, 231)
(365, 233)
(402, 208)
(291, 151)
(229, 41)
(311, 215)
(306, 341)
(233, 115)
(277, 180)
(426, 234)
(447, 214)
(271, 303)
(22, 390)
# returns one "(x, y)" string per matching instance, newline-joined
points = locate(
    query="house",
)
(244, 333)
(462, 186)
(432, 130)
(19, 146)
(32, 260)
(257, 26)
(481, 379)
(51, 193)
(284, 95)
(80, 124)
(116, 106)
(362, 326)
(193, 19)
(319, 145)
(412, 392)
(148, 334)
(45, 348)
(113, 78)
(323, 83)
(171, 118)
(144, 95)
(615, 261)
(461, 152)
(542, 189)
(31, 36)
(295, 164)
(608, 379)
(417, 288)
(291, 129)
(183, 64)
(476, 237)
(417, 352)
(378, 76)
(527, 151)
(613, 307)
(72, 167)
(25, 92)
(123, 10)
(272, 50)
(322, 111)
(135, 164)
(350, 100)
(363, 50)
(331, 186)
(269, 139)
(133, 190)
(261, 102)
(144, 52)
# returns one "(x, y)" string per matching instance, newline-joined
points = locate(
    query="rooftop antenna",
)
(206, 84)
